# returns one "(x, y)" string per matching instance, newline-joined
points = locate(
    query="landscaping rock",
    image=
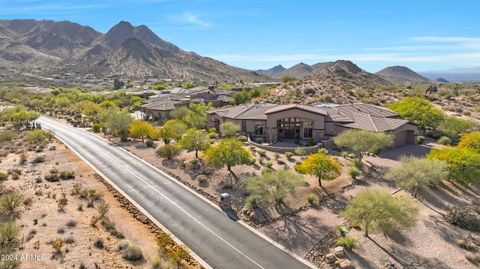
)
(331, 258)
(346, 264)
(339, 251)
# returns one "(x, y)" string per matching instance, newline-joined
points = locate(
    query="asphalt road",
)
(218, 240)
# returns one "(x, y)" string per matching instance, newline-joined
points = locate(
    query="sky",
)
(424, 35)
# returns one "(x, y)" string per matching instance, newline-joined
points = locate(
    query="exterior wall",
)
(318, 127)
(157, 115)
(332, 129)
(405, 135)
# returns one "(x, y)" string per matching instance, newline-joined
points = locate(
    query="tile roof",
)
(244, 112)
(368, 122)
(313, 109)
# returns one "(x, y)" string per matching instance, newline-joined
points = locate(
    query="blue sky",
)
(422, 34)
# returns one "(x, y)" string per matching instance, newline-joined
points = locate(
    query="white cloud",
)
(193, 19)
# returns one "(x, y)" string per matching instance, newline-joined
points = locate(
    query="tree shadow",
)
(362, 262)
(173, 164)
(408, 259)
(418, 150)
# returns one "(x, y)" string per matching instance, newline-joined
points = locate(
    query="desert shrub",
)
(354, 172)
(348, 242)
(202, 179)
(96, 127)
(15, 173)
(323, 150)
(168, 151)
(444, 140)
(10, 202)
(39, 159)
(7, 135)
(8, 232)
(37, 136)
(3, 176)
(420, 139)
(288, 155)
(62, 203)
(252, 201)
(463, 217)
(132, 253)
(311, 198)
(276, 156)
(69, 240)
(64, 175)
(242, 138)
(52, 176)
(57, 244)
(149, 143)
(269, 165)
(71, 223)
(23, 159)
(344, 154)
(262, 153)
(176, 255)
(98, 243)
(300, 152)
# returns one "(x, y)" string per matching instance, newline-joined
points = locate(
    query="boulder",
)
(331, 258)
(346, 264)
(339, 251)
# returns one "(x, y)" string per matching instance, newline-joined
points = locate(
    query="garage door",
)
(404, 138)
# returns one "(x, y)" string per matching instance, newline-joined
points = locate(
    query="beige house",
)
(311, 123)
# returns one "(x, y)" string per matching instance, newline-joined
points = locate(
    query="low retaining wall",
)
(312, 149)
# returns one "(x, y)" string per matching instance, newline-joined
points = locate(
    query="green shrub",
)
(37, 136)
(96, 127)
(420, 139)
(202, 179)
(351, 155)
(132, 253)
(242, 138)
(276, 156)
(323, 150)
(3, 176)
(354, 172)
(7, 135)
(39, 159)
(288, 155)
(348, 242)
(300, 152)
(168, 151)
(262, 153)
(269, 165)
(444, 140)
(311, 198)
(252, 201)
(344, 154)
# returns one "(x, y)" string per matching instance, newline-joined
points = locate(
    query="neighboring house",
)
(314, 123)
(158, 107)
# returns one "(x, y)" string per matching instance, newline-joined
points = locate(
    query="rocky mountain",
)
(441, 80)
(331, 83)
(300, 70)
(125, 50)
(274, 72)
(400, 74)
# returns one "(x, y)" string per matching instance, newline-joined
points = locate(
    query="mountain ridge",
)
(125, 50)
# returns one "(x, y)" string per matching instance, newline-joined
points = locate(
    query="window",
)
(244, 125)
(307, 132)
(258, 128)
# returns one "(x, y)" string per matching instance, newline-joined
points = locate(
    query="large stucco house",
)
(272, 123)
